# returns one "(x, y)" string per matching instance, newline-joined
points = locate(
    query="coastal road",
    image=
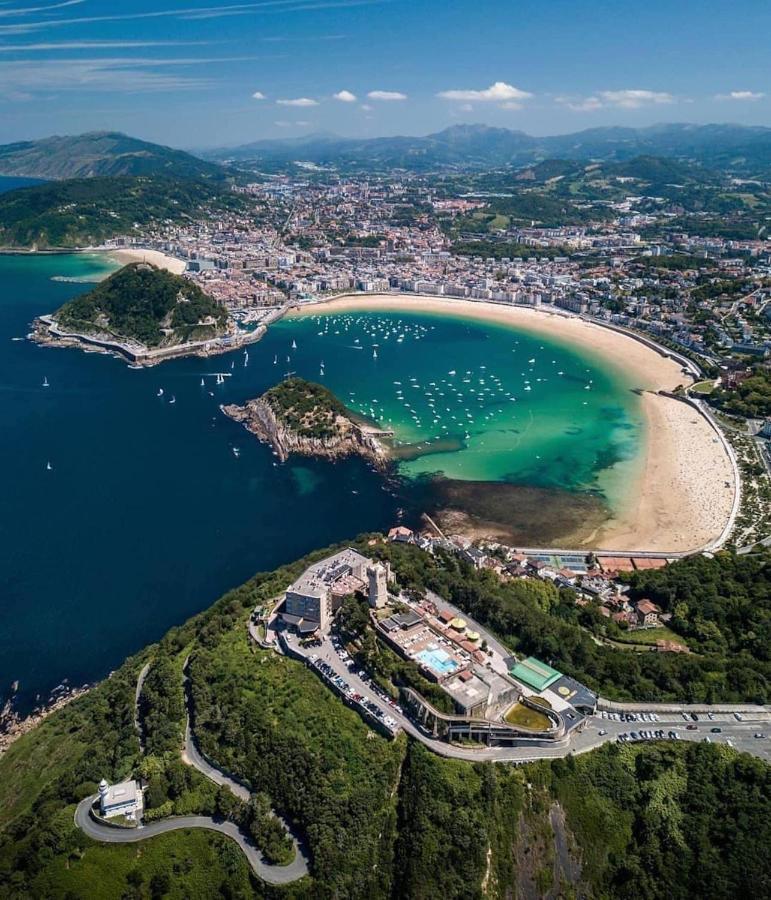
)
(110, 834)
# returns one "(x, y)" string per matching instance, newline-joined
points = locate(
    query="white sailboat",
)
(275, 360)
(294, 344)
(49, 467)
(45, 382)
(173, 399)
(202, 382)
(160, 392)
(374, 353)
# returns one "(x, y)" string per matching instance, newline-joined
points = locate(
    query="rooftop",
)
(535, 674)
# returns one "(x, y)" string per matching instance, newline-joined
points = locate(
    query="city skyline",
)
(205, 74)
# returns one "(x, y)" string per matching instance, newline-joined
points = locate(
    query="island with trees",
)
(299, 416)
(144, 314)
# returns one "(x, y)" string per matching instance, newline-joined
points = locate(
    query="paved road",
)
(268, 872)
(588, 738)
(111, 835)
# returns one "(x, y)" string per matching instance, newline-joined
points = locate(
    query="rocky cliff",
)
(339, 437)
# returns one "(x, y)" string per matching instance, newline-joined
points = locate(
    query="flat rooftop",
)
(535, 674)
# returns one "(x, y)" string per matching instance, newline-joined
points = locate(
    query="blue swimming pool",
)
(438, 660)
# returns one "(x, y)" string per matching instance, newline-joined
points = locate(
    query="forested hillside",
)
(145, 304)
(382, 819)
(84, 212)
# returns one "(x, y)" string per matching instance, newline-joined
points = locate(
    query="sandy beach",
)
(682, 497)
(161, 260)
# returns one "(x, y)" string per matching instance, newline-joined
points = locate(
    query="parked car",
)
(692, 727)
(716, 730)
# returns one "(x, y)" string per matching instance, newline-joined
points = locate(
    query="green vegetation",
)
(721, 606)
(308, 409)
(383, 819)
(145, 304)
(519, 714)
(751, 398)
(100, 153)
(505, 250)
(84, 212)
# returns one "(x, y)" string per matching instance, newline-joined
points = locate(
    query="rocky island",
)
(146, 315)
(298, 416)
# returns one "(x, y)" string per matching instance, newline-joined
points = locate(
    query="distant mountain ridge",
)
(100, 153)
(742, 148)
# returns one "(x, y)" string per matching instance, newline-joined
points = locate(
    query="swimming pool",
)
(438, 660)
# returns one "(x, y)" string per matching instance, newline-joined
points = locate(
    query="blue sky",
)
(199, 73)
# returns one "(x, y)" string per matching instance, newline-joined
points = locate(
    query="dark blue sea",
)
(146, 515)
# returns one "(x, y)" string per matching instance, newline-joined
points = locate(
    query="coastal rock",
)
(304, 418)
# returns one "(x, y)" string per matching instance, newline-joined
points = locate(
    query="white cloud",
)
(258, 95)
(741, 95)
(633, 99)
(627, 99)
(345, 97)
(366, 107)
(500, 92)
(298, 101)
(510, 104)
(386, 95)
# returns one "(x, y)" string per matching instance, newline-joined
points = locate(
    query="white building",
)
(124, 799)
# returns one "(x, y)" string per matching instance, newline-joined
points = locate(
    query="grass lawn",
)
(703, 387)
(651, 635)
(519, 714)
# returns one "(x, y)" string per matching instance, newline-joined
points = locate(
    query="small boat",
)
(275, 360)
(160, 392)
(49, 467)
(173, 399)
(202, 382)
(236, 452)
(374, 353)
(233, 364)
(294, 345)
(45, 382)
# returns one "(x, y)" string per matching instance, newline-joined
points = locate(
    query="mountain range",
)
(736, 147)
(740, 149)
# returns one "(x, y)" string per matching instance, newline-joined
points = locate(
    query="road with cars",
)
(595, 731)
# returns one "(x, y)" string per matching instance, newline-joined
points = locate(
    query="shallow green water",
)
(476, 401)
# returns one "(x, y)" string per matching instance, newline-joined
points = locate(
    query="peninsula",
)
(298, 416)
(146, 315)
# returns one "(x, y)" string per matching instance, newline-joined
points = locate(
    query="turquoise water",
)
(473, 400)
(438, 660)
(146, 515)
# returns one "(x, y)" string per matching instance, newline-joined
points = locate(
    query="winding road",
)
(270, 873)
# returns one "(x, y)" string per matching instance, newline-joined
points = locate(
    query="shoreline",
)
(681, 494)
(126, 255)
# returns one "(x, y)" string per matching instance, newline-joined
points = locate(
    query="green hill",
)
(87, 211)
(145, 304)
(382, 819)
(100, 153)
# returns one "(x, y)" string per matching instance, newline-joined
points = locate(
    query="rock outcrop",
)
(339, 437)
